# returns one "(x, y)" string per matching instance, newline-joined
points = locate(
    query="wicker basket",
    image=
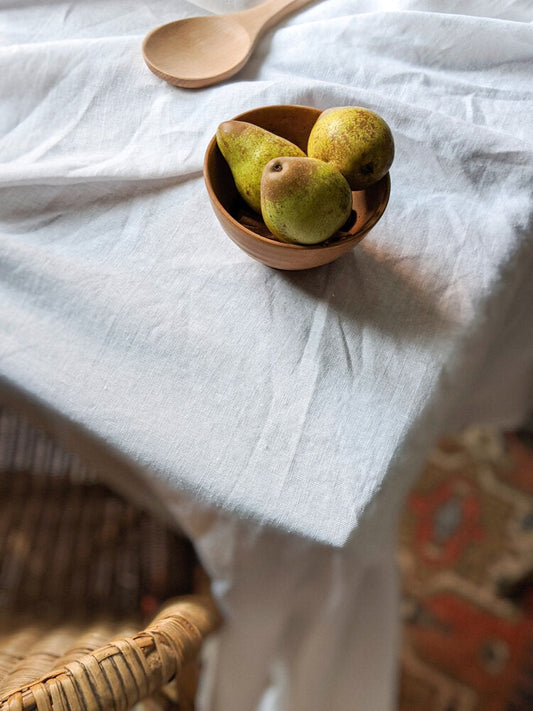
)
(101, 606)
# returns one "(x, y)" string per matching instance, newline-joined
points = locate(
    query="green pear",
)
(357, 141)
(247, 149)
(304, 200)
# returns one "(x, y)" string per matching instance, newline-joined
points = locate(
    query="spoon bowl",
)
(200, 51)
(182, 54)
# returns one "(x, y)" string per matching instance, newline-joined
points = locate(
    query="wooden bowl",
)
(247, 229)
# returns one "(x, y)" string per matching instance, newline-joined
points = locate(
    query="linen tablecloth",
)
(277, 417)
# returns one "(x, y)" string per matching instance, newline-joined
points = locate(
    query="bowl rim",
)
(212, 145)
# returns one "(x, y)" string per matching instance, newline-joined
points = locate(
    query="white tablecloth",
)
(278, 417)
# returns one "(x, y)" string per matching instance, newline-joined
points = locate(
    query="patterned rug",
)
(466, 555)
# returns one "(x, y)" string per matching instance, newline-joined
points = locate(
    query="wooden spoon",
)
(199, 51)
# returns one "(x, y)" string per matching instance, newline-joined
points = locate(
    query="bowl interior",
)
(293, 123)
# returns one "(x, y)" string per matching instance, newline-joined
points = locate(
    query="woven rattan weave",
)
(100, 605)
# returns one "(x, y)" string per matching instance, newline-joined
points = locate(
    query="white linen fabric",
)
(278, 417)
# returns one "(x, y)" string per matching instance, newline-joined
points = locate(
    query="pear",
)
(247, 149)
(304, 200)
(356, 141)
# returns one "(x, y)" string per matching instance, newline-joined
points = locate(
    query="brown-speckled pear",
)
(247, 149)
(355, 140)
(304, 200)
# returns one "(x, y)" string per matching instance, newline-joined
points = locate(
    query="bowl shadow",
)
(373, 288)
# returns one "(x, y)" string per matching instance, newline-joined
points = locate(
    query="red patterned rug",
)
(466, 555)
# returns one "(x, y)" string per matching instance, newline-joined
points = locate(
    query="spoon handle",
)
(258, 19)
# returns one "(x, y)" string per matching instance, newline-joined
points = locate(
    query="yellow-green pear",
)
(355, 140)
(247, 149)
(304, 200)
